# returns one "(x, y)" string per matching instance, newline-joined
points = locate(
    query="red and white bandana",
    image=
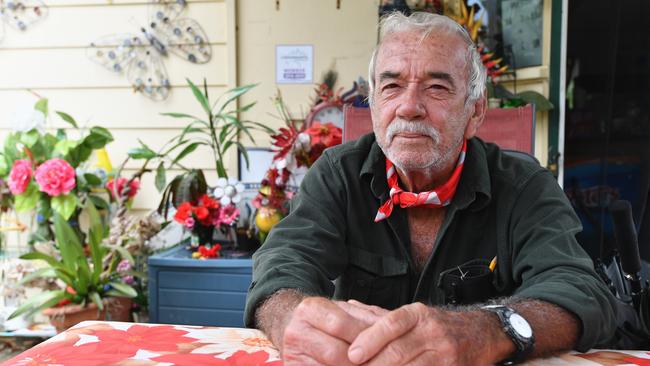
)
(439, 197)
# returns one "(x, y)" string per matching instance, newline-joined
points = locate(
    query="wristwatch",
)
(518, 329)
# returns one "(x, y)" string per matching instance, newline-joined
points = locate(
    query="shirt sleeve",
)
(550, 265)
(306, 249)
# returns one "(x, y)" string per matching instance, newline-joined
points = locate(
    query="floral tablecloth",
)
(134, 344)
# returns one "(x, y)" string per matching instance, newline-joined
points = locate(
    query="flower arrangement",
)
(201, 218)
(296, 147)
(200, 209)
(49, 172)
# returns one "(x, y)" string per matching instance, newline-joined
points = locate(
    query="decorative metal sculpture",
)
(20, 14)
(140, 57)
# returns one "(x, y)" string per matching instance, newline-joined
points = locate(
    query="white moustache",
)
(400, 125)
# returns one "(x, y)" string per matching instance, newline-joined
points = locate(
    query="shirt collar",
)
(473, 189)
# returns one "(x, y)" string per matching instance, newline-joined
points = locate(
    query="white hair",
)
(427, 24)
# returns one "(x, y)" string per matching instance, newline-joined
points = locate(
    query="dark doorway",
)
(607, 144)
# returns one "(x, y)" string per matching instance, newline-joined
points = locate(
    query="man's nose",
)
(411, 106)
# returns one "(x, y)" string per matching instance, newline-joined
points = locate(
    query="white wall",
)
(50, 60)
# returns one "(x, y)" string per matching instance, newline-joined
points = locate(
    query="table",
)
(92, 343)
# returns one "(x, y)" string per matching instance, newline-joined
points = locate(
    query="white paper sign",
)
(294, 64)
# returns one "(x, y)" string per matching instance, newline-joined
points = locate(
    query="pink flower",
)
(20, 176)
(227, 215)
(121, 182)
(55, 177)
(189, 223)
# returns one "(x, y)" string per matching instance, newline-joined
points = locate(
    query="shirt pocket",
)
(374, 279)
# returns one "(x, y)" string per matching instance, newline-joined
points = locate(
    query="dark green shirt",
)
(503, 207)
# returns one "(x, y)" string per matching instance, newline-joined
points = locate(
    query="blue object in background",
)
(189, 291)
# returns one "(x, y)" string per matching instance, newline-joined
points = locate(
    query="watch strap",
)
(523, 346)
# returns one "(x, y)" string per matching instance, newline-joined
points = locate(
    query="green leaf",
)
(41, 256)
(83, 276)
(94, 296)
(63, 147)
(66, 117)
(35, 303)
(92, 179)
(161, 178)
(98, 138)
(122, 251)
(68, 242)
(47, 272)
(64, 205)
(261, 126)
(244, 153)
(246, 107)
(179, 115)
(234, 94)
(541, 103)
(142, 152)
(41, 105)
(4, 167)
(30, 138)
(187, 150)
(202, 99)
(124, 289)
(60, 134)
(99, 202)
(95, 237)
(27, 200)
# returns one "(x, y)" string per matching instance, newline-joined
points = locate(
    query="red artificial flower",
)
(209, 202)
(183, 212)
(201, 212)
(284, 141)
(210, 253)
(326, 134)
(132, 190)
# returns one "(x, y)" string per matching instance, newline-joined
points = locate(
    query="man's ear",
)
(476, 118)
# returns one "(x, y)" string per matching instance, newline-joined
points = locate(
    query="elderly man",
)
(387, 215)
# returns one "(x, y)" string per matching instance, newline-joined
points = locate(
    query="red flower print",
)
(65, 353)
(155, 339)
(191, 359)
(243, 358)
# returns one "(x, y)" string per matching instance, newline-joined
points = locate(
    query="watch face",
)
(520, 325)
(331, 114)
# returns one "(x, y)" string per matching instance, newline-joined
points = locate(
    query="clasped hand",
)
(325, 332)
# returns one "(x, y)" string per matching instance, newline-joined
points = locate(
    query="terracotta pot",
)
(63, 317)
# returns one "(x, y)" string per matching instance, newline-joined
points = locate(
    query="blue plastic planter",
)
(188, 291)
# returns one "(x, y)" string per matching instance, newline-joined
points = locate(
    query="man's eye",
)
(437, 87)
(390, 86)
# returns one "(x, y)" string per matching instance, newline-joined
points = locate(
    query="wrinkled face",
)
(419, 113)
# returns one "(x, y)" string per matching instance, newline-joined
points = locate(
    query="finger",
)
(372, 308)
(365, 315)
(388, 328)
(403, 350)
(309, 346)
(326, 316)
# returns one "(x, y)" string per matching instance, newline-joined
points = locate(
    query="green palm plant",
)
(86, 279)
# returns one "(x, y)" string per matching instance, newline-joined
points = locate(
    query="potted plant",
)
(219, 130)
(89, 276)
(48, 172)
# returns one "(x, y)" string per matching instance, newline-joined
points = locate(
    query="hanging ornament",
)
(20, 15)
(140, 57)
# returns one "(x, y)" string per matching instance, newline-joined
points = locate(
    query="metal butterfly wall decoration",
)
(140, 56)
(20, 14)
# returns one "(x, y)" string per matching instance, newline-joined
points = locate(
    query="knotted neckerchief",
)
(439, 197)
